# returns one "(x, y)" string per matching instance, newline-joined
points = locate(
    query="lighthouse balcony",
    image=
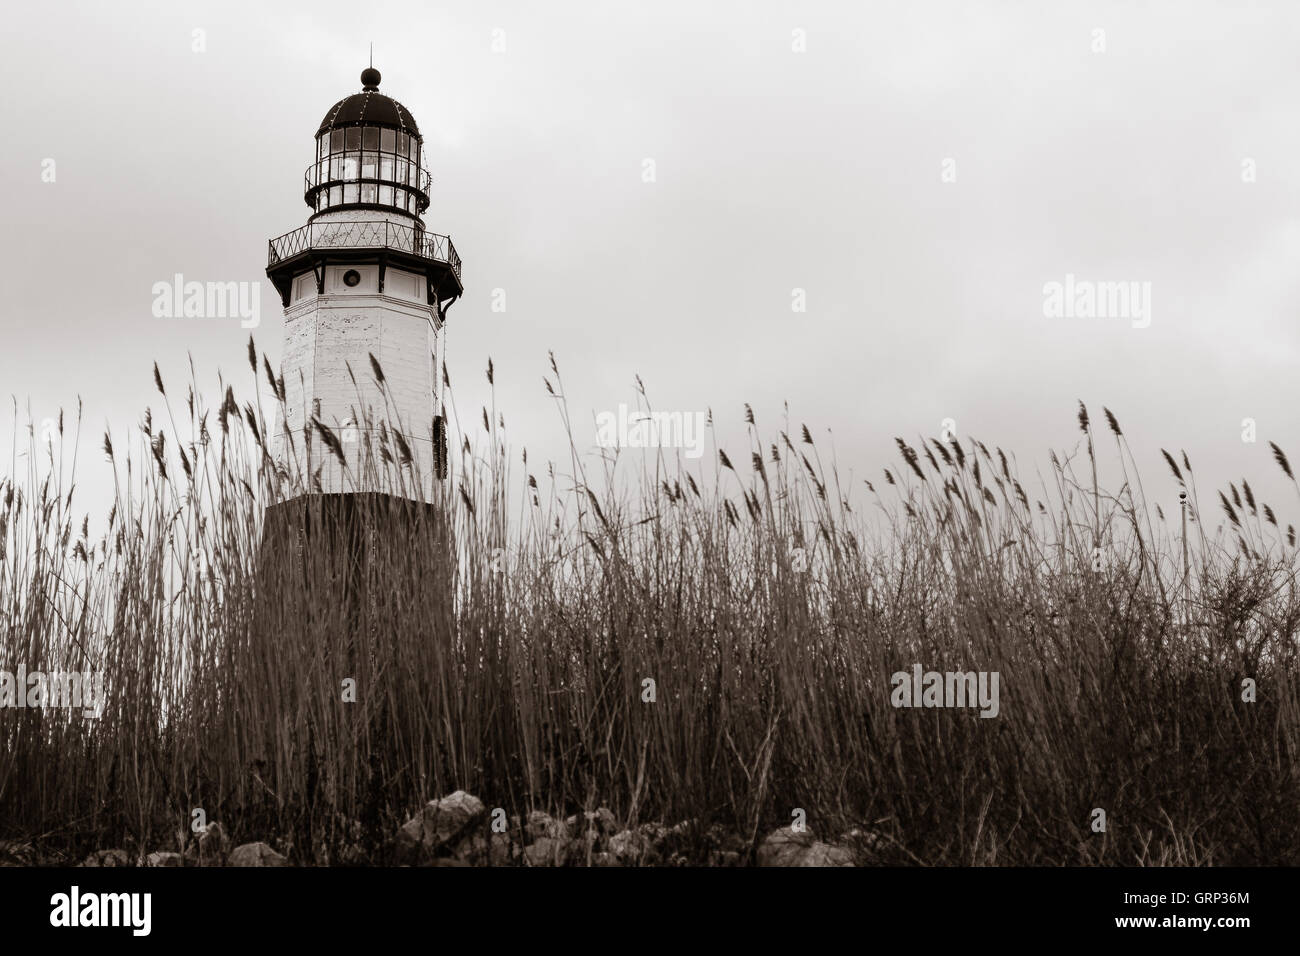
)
(368, 234)
(311, 247)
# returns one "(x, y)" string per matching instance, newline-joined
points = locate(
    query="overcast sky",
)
(775, 170)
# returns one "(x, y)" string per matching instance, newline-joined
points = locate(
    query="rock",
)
(629, 847)
(686, 843)
(210, 845)
(827, 854)
(785, 847)
(594, 823)
(546, 851)
(504, 851)
(650, 844)
(496, 849)
(604, 817)
(112, 857)
(440, 822)
(729, 842)
(681, 830)
(473, 849)
(164, 859)
(656, 833)
(543, 826)
(256, 854)
(584, 841)
(16, 853)
(864, 843)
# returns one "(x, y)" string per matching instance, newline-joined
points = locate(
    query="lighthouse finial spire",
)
(370, 76)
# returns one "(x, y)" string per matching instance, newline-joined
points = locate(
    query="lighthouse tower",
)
(365, 289)
(356, 548)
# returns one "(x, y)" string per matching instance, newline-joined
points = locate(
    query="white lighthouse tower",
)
(365, 290)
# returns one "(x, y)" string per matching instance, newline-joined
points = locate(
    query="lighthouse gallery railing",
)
(377, 234)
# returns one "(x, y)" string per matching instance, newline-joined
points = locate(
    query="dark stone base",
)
(336, 568)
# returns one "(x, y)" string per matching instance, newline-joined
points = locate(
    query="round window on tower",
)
(351, 277)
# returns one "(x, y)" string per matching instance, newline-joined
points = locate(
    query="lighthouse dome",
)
(370, 107)
(369, 155)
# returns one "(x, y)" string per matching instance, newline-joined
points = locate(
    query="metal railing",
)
(370, 234)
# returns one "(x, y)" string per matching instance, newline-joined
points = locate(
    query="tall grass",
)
(500, 641)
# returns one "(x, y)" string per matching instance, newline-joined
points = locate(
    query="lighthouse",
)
(359, 444)
(365, 289)
(354, 577)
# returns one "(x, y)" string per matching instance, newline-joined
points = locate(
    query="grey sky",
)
(775, 170)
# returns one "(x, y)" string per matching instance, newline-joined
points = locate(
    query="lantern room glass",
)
(370, 165)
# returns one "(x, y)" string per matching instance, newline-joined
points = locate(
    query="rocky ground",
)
(460, 830)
